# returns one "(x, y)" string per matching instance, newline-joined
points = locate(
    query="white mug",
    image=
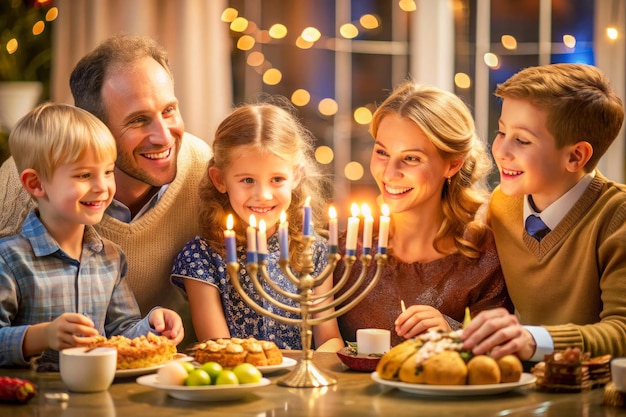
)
(85, 370)
(373, 341)
(618, 373)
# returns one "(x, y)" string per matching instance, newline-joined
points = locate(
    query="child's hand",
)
(419, 318)
(168, 323)
(66, 330)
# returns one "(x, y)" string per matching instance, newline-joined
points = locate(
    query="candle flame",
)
(402, 306)
(332, 212)
(230, 222)
(354, 209)
(365, 210)
(252, 222)
(283, 216)
(262, 226)
(385, 210)
(307, 201)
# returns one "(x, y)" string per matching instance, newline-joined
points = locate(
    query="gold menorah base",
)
(311, 304)
(307, 375)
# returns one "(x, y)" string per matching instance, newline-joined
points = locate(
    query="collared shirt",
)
(121, 212)
(552, 216)
(39, 282)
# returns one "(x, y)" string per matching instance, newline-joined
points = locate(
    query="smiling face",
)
(259, 185)
(78, 192)
(408, 169)
(143, 115)
(527, 157)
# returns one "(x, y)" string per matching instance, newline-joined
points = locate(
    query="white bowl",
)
(88, 371)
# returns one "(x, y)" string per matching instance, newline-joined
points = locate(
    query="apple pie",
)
(140, 352)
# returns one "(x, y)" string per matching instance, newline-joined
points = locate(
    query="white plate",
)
(203, 393)
(457, 390)
(287, 363)
(127, 373)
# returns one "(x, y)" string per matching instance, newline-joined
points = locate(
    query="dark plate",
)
(356, 362)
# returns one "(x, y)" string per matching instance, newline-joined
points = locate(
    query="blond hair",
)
(266, 128)
(579, 102)
(448, 124)
(52, 135)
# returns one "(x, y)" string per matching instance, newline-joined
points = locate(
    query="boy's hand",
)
(419, 318)
(498, 333)
(66, 330)
(168, 323)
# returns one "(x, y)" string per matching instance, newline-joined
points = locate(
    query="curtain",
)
(196, 39)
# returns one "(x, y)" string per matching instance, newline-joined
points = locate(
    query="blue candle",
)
(333, 230)
(306, 223)
(251, 237)
(283, 236)
(261, 241)
(231, 244)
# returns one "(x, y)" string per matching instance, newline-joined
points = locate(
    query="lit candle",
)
(231, 244)
(251, 236)
(261, 241)
(383, 230)
(368, 223)
(333, 230)
(306, 222)
(353, 230)
(283, 236)
(372, 341)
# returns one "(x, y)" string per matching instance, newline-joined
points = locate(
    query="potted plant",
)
(25, 59)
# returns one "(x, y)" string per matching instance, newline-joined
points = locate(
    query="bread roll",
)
(482, 370)
(445, 368)
(510, 368)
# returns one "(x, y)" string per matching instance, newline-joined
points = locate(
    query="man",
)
(127, 83)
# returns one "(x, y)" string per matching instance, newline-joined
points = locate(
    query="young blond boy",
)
(60, 282)
(568, 284)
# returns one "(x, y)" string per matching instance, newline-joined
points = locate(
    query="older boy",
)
(58, 278)
(560, 226)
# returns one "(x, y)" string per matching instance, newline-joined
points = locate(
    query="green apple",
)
(247, 373)
(188, 366)
(227, 377)
(213, 369)
(198, 377)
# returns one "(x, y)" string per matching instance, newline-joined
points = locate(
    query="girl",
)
(262, 165)
(430, 167)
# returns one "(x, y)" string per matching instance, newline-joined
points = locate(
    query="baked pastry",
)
(232, 352)
(511, 368)
(483, 370)
(140, 352)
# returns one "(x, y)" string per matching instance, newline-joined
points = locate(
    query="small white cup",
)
(373, 341)
(618, 373)
(90, 371)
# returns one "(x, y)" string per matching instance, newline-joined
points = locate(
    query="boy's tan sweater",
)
(574, 282)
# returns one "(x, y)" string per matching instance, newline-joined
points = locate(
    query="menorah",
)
(305, 373)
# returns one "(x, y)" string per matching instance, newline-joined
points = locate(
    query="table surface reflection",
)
(355, 394)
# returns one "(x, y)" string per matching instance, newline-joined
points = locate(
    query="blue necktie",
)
(536, 227)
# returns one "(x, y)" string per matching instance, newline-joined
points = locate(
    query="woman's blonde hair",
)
(448, 124)
(265, 128)
(52, 135)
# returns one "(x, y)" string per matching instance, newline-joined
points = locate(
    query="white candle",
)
(261, 240)
(373, 341)
(333, 230)
(231, 244)
(306, 221)
(383, 230)
(251, 236)
(368, 223)
(353, 231)
(283, 236)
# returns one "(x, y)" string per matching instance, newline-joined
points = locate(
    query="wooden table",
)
(355, 394)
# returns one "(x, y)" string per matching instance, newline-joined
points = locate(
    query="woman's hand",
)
(498, 333)
(419, 318)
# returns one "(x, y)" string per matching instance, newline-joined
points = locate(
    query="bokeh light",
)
(362, 115)
(369, 21)
(569, 41)
(353, 171)
(328, 107)
(509, 42)
(239, 24)
(229, 15)
(491, 60)
(300, 97)
(324, 155)
(278, 31)
(245, 43)
(349, 31)
(272, 76)
(462, 80)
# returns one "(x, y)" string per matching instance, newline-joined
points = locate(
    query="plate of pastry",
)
(287, 363)
(458, 390)
(203, 392)
(128, 373)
